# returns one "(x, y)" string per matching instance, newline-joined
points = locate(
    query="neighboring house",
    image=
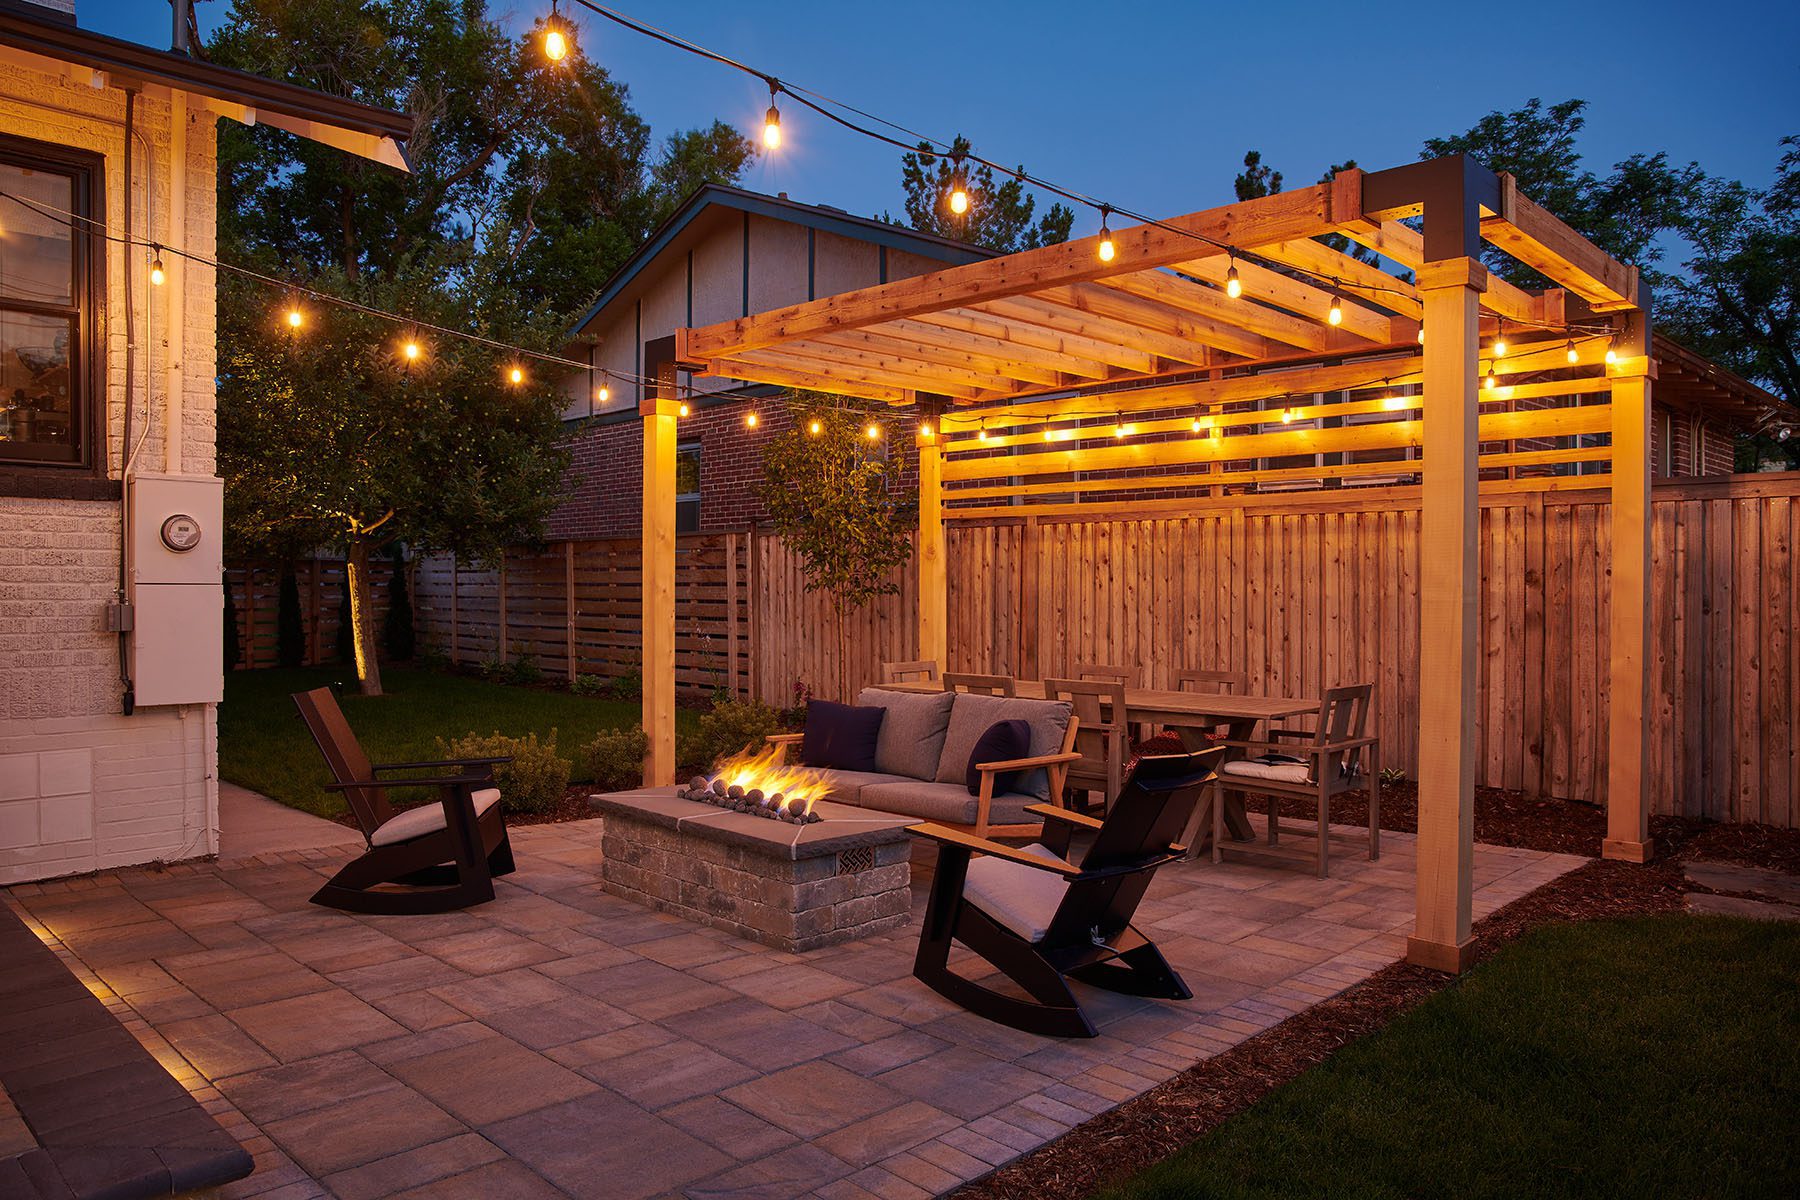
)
(108, 491)
(728, 252)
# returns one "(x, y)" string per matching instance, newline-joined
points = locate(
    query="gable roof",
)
(822, 217)
(362, 129)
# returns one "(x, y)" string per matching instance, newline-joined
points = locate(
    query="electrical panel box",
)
(174, 544)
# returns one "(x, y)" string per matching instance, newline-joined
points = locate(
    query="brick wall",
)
(82, 786)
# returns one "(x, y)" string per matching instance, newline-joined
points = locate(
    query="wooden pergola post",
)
(934, 608)
(1628, 743)
(659, 413)
(1449, 565)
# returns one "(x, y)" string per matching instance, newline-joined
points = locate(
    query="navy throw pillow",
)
(1003, 740)
(841, 736)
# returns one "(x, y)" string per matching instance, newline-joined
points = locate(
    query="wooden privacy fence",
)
(256, 593)
(573, 608)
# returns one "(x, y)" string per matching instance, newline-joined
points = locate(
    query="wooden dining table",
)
(1191, 715)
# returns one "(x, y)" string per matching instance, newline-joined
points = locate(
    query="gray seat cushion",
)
(946, 802)
(1021, 898)
(847, 786)
(972, 715)
(422, 819)
(912, 734)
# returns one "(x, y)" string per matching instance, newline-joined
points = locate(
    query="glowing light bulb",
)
(815, 428)
(157, 275)
(683, 410)
(1234, 287)
(410, 350)
(1500, 347)
(1049, 435)
(1493, 380)
(1421, 335)
(1612, 356)
(981, 434)
(749, 420)
(772, 126)
(872, 432)
(925, 430)
(1195, 427)
(1336, 313)
(1287, 416)
(1393, 403)
(1120, 429)
(604, 394)
(1574, 355)
(1106, 249)
(959, 200)
(295, 318)
(556, 46)
(516, 375)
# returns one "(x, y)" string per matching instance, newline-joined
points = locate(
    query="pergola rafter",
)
(1069, 379)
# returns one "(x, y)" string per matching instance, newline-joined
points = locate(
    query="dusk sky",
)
(1152, 105)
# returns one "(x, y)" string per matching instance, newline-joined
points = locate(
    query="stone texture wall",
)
(779, 902)
(82, 786)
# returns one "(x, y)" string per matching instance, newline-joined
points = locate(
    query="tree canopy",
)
(1002, 215)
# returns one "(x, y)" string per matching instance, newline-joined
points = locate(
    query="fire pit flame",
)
(763, 785)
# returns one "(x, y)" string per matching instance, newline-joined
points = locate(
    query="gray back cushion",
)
(971, 716)
(912, 734)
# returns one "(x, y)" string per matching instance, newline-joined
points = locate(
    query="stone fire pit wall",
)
(795, 887)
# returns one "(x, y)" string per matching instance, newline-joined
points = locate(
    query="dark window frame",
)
(85, 477)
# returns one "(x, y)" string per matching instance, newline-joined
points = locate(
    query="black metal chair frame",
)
(1091, 937)
(446, 869)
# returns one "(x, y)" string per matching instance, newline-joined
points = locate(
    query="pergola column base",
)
(1451, 958)
(1624, 851)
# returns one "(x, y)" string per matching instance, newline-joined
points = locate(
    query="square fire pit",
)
(795, 887)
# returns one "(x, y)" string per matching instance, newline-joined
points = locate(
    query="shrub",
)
(535, 779)
(590, 685)
(730, 727)
(432, 658)
(290, 630)
(523, 669)
(492, 669)
(616, 758)
(398, 638)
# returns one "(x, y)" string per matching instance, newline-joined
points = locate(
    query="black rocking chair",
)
(1042, 920)
(443, 856)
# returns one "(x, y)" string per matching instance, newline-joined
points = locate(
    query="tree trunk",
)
(362, 617)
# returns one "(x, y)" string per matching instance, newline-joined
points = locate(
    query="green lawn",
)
(1648, 1057)
(264, 746)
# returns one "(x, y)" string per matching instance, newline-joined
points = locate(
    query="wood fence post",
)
(569, 606)
(752, 613)
(731, 614)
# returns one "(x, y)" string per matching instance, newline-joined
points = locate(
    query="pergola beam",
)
(935, 337)
(1059, 318)
(936, 359)
(1310, 303)
(1099, 350)
(1156, 317)
(1542, 241)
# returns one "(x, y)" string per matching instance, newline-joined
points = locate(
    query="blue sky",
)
(1152, 105)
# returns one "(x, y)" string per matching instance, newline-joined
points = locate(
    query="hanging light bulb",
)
(295, 318)
(605, 392)
(772, 122)
(1421, 335)
(1120, 428)
(1049, 435)
(981, 434)
(1195, 426)
(1234, 287)
(1493, 380)
(1287, 416)
(684, 409)
(749, 420)
(1106, 249)
(516, 375)
(925, 430)
(157, 275)
(1574, 355)
(872, 432)
(556, 42)
(959, 191)
(1612, 355)
(1500, 341)
(410, 350)
(1336, 313)
(815, 428)
(1393, 403)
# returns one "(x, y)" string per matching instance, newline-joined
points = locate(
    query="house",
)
(110, 508)
(728, 252)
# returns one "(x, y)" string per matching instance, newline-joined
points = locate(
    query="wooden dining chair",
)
(981, 685)
(1336, 757)
(1212, 683)
(1127, 676)
(923, 670)
(1104, 741)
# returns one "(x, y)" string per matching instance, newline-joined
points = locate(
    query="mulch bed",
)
(1154, 1126)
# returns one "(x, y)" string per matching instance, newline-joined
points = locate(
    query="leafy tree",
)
(836, 498)
(1002, 216)
(1257, 179)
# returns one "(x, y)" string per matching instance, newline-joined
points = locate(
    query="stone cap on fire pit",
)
(841, 826)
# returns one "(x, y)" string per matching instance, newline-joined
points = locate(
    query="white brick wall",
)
(83, 787)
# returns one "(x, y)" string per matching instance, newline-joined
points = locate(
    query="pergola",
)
(1054, 371)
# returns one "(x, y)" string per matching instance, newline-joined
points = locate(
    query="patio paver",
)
(564, 1042)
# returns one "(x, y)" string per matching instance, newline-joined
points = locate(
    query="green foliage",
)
(233, 648)
(523, 669)
(290, 626)
(1002, 215)
(590, 685)
(628, 684)
(729, 728)
(1257, 179)
(536, 778)
(398, 638)
(836, 499)
(432, 658)
(615, 758)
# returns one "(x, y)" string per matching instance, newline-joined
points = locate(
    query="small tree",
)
(1002, 215)
(836, 497)
(290, 631)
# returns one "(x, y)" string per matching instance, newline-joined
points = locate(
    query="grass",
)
(1655, 1056)
(263, 745)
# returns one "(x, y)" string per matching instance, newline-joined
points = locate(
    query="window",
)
(48, 392)
(687, 487)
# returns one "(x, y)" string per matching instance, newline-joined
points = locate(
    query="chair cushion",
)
(1003, 740)
(1021, 898)
(846, 786)
(949, 803)
(972, 715)
(1282, 768)
(840, 735)
(912, 733)
(425, 818)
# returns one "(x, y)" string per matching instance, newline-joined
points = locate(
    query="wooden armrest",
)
(1024, 764)
(943, 835)
(1069, 816)
(1274, 734)
(1350, 744)
(784, 739)
(443, 781)
(443, 762)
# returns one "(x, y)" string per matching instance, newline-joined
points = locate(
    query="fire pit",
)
(761, 785)
(804, 873)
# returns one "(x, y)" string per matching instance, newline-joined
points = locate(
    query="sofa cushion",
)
(1021, 898)
(840, 735)
(846, 787)
(971, 716)
(912, 733)
(410, 823)
(949, 803)
(1003, 740)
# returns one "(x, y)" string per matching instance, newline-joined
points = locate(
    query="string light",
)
(873, 431)
(556, 43)
(683, 410)
(750, 420)
(925, 430)
(815, 428)
(1421, 335)
(1049, 434)
(1493, 379)
(772, 122)
(1612, 355)
(1500, 340)
(981, 434)
(410, 350)
(1393, 402)
(157, 274)
(1106, 249)
(1336, 313)
(1287, 416)
(295, 318)
(605, 392)
(1234, 287)
(1120, 428)
(959, 192)
(516, 375)
(1195, 427)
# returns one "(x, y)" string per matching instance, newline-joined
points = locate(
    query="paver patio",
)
(564, 1042)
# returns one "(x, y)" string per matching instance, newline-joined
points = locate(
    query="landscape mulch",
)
(1154, 1126)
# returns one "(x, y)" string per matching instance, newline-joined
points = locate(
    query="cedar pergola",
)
(1016, 358)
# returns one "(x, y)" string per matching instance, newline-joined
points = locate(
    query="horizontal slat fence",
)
(256, 594)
